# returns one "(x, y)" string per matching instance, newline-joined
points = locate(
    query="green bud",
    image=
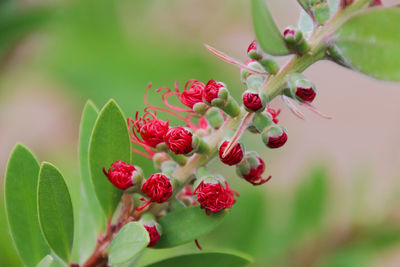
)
(214, 117)
(270, 65)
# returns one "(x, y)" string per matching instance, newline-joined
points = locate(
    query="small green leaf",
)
(109, 142)
(128, 243)
(306, 25)
(209, 259)
(21, 205)
(45, 262)
(268, 34)
(90, 216)
(185, 225)
(55, 211)
(370, 43)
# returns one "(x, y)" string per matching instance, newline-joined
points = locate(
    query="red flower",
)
(306, 94)
(277, 141)
(254, 175)
(252, 101)
(179, 140)
(234, 156)
(120, 174)
(153, 233)
(151, 129)
(211, 90)
(157, 187)
(274, 113)
(213, 197)
(193, 95)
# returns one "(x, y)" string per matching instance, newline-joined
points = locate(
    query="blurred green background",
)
(333, 199)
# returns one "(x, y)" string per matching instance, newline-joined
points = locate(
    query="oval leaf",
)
(21, 205)
(90, 216)
(209, 259)
(55, 211)
(268, 34)
(128, 243)
(185, 225)
(109, 142)
(370, 43)
(45, 262)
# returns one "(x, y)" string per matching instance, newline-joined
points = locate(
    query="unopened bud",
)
(302, 89)
(214, 194)
(179, 140)
(253, 52)
(153, 228)
(295, 40)
(234, 156)
(124, 176)
(252, 168)
(270, 65)
(274, 137)
(254, 101)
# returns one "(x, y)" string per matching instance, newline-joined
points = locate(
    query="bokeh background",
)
(334, 197)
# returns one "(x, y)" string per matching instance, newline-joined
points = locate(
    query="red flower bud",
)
(214, 197)
(211, 90)
(306, 94)
(289, 33)
(234, 156)
(154, 235)
(157, 187)
(252, 101)
(179, 140)
(193, 95)
(252, 47)
(121, 175)
(152, 227)
(253, 52)
(275, 137)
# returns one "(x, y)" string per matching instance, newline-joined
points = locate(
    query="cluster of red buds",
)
(180, 153)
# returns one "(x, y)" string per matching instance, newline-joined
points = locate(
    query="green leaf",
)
(55, 211)
(132, 239)
(185, 225)
(21, 205)
(370, 42)
(45, 262)
(109, 142)
(90, 216)
(209, 259)
(268, 34)
(306, 25)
